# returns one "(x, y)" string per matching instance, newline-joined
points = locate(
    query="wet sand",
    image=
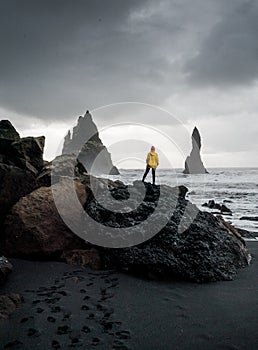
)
(70, 307)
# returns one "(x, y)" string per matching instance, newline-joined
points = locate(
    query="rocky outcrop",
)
(25, 153)
(193, 163)
(64, 165)
(8, 304)
(222, 207)
(86, 144)
(5, 269)
(34, 228)
(192, 245)
(21, 160)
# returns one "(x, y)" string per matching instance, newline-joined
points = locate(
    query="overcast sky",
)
(197, 60)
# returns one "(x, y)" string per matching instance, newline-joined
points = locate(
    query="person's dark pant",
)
(146, 173)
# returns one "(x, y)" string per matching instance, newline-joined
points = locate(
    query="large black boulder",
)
(192, 245)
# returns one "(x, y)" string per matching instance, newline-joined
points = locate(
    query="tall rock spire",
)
(193, 163)
(85, 143)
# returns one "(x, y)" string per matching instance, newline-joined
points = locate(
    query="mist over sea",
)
(237, 188)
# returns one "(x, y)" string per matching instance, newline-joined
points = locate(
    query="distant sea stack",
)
(85, 142)
(193, 163)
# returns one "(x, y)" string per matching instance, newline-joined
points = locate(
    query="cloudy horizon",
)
(195, 63)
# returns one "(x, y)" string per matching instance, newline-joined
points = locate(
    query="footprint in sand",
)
(123, 335)
(118, 345)
(32, 332)
(66, 317)
(84, 307)
(55, 344)
(39, 310)
(107, 326)
(95, 341)
(85, 329)
(52, 300)
(62, 292)
(75, 341)
(26, 319)
(63, 330)
(16, 344)
(55, 309)
(51, 319)
(91, 316)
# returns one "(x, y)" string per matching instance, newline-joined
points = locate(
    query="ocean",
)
(237, 188)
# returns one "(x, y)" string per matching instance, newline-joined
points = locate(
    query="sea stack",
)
(193, 163)
(85, 143)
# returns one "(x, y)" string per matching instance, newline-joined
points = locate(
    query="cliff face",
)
(86, 143)
(193, 163)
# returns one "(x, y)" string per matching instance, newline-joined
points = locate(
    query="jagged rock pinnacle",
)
(193, 163)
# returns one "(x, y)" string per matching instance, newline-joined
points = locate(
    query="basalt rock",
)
(86, 144)
(8, 135)
(25, 153)
(193, 163)
(61, 166)
(192, 245)
(14, 184)
(222, 207)
(34, 229)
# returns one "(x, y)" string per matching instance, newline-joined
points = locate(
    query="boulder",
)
(25, 153)
(83, 257)
(8, 304)
(222, 207)
(64, 165)
(29, 153)
(5, 269)
(34, 228)
(192, 245)
(193, 163)
(14, 184)
(86, 144)
(8, 135)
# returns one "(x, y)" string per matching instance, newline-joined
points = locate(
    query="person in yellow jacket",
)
(152, 162)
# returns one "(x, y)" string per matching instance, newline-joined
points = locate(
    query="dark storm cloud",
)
(229, 55)
(59, 57)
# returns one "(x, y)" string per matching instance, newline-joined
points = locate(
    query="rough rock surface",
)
(192, 245)
(85, 143)
(8, 303)
(5, 268)
(193, 163)
(34, 228)
(83, 257)
(14, 184)
(25, 153)
(64, 165)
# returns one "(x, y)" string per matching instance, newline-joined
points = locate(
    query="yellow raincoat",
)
(152, 159)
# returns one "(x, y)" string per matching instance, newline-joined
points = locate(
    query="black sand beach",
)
(71, 307)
